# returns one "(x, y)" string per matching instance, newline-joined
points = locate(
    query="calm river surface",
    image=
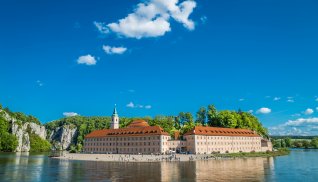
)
(300, 165)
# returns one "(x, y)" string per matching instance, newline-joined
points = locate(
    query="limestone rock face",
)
(22, 132)
(63, 137)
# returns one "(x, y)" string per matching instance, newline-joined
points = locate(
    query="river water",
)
(300, 165)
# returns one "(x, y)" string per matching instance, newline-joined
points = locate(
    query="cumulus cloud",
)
(264, 110)
(87, 59)
(241, 100)
(301, 126)
(309, 111)
(151, 19)
(70, 114)
(276, 98)
(114, 50)
(132, 105)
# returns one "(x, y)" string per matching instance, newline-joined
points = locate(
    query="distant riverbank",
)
(168, 158)
(279, 152)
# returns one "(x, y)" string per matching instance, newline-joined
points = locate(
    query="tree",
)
(227, 119)
(277, 144)
(9, 142)
(37, 144)
(306, 144)
(288, 142)
(201, 116)
(314, 142)
(212, 115)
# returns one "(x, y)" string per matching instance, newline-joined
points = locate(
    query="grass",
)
(279, 152)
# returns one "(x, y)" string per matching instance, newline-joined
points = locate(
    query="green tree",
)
(288, 142)
(212, 115)
(277, 144)
(201, 116)
(37, 144)
(9, 142)
(306, 144)
(314, 142)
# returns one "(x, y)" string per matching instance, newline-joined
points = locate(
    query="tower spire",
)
(115, 119)
(115, 111)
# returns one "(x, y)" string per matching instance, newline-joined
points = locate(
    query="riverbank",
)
(279, 152)
(168, 158)
(132, 158)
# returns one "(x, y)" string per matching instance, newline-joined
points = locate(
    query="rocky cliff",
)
(63, 137)
(22, 130)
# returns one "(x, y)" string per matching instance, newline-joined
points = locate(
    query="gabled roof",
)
(216, 131)
(136, 128)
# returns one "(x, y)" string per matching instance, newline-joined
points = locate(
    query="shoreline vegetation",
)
(275, 153)
(167, 158)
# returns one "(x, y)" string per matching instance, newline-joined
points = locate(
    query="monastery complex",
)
(140, 138)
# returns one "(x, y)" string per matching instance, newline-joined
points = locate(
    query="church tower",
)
(115, 120)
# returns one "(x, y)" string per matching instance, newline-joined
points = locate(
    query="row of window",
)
(123, 144)
(122, 139)
(230, 149)
(226, 137)
(228, 143)
(122, 150)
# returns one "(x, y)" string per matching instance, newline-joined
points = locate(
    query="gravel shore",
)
(133, 158)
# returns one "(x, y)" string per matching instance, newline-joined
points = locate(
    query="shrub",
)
(37, 144)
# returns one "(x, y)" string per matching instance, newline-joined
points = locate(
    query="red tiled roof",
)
(136, 128)
(216, 131)
(138, 123)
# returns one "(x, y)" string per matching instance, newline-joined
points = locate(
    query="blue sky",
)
(162, 57)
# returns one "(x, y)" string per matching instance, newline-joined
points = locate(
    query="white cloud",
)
(291, 100)
(151, 19)
(39, 83)
(316, 108)
(277, 98)
(130, 105)
(69, 114)
(296, 115)
(101, 27)
(264, 110)
(114, 50)
(241, 100)
(250, 111)
(316, 100)
(308, 111)
(87, 59)
(301, 126)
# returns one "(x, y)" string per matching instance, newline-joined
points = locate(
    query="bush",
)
(8, 142)
(37, 144)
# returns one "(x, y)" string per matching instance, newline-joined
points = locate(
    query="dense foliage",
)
(37, 144)
(8, 142)
(21, 117)
(295, 143)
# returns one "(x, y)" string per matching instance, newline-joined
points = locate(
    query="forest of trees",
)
(184, 122)
(288, 142)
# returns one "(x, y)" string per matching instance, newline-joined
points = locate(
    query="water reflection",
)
(26, 167)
